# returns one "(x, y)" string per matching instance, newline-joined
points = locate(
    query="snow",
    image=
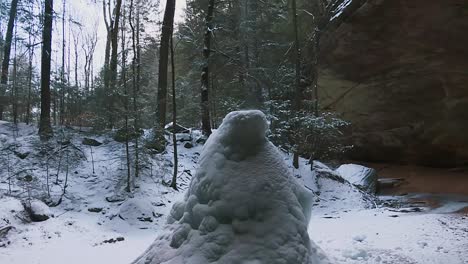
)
(243, 205)
(377, 236)
(363, 177)
(348, 225)
(39, 209)
(339, 10)
(134, 211)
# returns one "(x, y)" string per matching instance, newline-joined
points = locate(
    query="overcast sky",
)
(89, 14)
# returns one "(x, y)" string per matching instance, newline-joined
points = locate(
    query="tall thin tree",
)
(113, 59)
(174, 119)
(135, 83)
(205, 76)
(167, 30)
(6, 52)
(297, 101)
(45, 129)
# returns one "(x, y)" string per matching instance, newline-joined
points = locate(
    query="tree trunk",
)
(30, 75)
(62, 73)
(14, 90)
(45, 129)
(167, 30)
(297, 92)
(135, 87)
(6, 52)
(174, 119)
(124, 84)
(107, 51)
(205, 76)
(113, 60)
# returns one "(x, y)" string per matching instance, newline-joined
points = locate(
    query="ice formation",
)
(242, 207)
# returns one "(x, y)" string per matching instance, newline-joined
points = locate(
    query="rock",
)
(116, 198)
(397, 71)
(4, 231)
(201, 140)
(94, 209)
(135, 211)
(362, 177)
(37, 210)
(388, 183)
(188, 145)
(22, 155)
(156, 141)
(113, 240)
(91, 142)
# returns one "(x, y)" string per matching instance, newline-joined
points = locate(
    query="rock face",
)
(398, 70)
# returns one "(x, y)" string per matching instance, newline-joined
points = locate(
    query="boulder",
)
(135, 211)
(22, 155)
(362, 177)
(95, 209)
(116, 198)
(38, 211)
(91, 142)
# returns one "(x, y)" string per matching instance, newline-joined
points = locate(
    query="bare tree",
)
(174, 119)
(297, 103)
(88, 47)
(135, 80)
(6, 52)
(167, 30)
(62, 70)
(45, 129)
(205, 76)
(123, 78)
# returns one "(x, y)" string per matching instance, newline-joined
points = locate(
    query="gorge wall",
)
(398, 70)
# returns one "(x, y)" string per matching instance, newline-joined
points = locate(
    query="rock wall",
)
(398, 70)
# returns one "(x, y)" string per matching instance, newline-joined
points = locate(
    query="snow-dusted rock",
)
(243, 205)
(136, 210)
(363, 177)
(38, 210)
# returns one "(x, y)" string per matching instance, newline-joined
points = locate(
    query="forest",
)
(233, 131)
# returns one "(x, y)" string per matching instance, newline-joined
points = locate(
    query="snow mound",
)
(337, 191)
(242, 206)
(9, 206)
(134, 211)
(362, 177)
(39, 211)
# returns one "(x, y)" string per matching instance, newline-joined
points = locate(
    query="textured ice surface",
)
(243, 205)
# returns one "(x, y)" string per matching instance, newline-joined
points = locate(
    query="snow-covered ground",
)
(88, 229)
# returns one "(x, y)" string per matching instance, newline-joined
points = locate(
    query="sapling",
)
(92, 158)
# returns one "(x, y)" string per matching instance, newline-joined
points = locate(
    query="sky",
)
(91, 17)
(89, 14)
